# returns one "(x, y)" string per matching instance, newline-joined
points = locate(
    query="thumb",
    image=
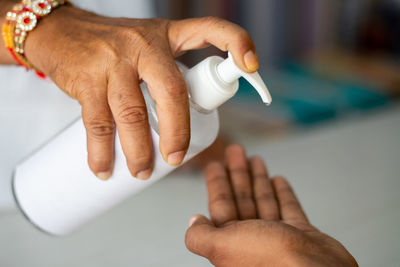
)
(198, 33)
(200, 236)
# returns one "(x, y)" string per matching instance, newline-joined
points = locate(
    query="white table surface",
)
(347, 175)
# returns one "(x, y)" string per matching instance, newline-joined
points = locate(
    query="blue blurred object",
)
(306, 98)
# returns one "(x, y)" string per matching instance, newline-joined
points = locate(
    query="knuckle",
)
(243, 40)
(160, 24)
(181, 135)
(176, 139)
(132, 115)
(242, 195)
(136, 164)
(99, 129)
(134, 34)
(222, 197)
(108, 51)
(256, 159)
(99, 164)
(291, 203)
(243, 35)
(280, 179)
(286, 192)
(77, 87)
(141, 161)
(240, 173)
(179, 140)
(212, 20)
(216, 180)
(260, 176)
(159, 21)
(99, 161)
(138, 36)
(265, 197)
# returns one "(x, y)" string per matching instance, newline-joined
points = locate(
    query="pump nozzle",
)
(229, 72)
(215, 80)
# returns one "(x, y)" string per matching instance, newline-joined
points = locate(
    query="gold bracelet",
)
(22, 19)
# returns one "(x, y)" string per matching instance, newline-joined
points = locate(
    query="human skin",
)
(101, 61)
(257, 221)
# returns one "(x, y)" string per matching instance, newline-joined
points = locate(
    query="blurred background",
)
(322, 60)
(333, 129)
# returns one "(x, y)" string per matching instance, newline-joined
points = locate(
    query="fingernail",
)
(103, 175)
(144, 175)
(175, 158)
(192, 220)
(251, 61)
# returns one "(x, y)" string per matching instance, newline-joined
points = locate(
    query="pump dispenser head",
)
(214, 80)
(229, 72)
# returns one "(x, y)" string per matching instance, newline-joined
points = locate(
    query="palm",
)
(257, 220)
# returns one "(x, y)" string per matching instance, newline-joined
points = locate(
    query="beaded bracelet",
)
(22, 19)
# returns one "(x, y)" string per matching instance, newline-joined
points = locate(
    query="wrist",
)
(319, 259)
(21, 20)
(44, 41)
(37, 40)
(5, 56)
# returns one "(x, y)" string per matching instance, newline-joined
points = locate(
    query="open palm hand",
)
(258, 221)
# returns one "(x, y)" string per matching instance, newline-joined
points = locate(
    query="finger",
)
(100, 132)
(290, 208)
(200, 236)
(198, 33)
(267, 205)
(167, 87)
(241, 182)
(221, 201)
(130, 114)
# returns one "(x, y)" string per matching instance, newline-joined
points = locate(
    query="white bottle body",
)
(58, 193)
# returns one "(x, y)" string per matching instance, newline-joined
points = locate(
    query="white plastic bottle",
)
(58, 193)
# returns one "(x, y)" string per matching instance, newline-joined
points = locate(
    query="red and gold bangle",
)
(22, 19)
